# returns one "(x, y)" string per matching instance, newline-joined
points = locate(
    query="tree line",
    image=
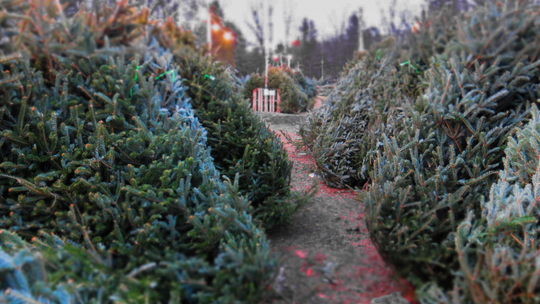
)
(317, 57)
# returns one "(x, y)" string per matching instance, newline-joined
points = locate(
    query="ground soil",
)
(326, 253)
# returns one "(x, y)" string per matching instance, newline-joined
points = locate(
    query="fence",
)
(266, 100)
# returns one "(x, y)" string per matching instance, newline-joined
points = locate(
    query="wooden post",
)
(278, 100)
(254, 100)
(209, 29)
(322, 68)
(259, 99)
(265, 102)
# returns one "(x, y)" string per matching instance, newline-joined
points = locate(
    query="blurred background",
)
(316, 37)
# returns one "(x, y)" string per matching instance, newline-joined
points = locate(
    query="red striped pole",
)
(278, 100)
(254, 100)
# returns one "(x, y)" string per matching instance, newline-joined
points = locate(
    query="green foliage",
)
(334, 145)
(440, 163)
(334, 134)
(21, 274)
(253, 82)
(498, 253)
(103, 158)
(433, 145)
(307, 86)
(436, 36)
(123, 175)
(51, 271)
(240, 142)
(454, 136)
(9, 16)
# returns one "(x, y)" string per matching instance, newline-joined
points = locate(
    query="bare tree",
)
(396, 23)
(189, 12)
(338, 23)
(256, 25)
(270, 24)
(287, 20)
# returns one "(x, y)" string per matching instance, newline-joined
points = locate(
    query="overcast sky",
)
(327, 14)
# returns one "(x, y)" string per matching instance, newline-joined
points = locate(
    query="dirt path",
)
(326, 251)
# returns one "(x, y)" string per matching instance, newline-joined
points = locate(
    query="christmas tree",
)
(429, 149)
(114, 168)
(497, 251)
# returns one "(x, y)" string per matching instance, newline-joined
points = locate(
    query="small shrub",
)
(240, 142)
(443, 157)
(254, 81)
(308, 86)
(293, 89)
(439, 163)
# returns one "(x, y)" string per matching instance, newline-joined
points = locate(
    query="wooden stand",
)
(265, 100)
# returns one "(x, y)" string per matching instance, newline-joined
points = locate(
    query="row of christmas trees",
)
(442, 134)
(131, 169)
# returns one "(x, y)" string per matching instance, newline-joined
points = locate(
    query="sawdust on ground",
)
(326, 253)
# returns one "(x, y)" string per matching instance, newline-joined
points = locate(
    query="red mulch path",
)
(372, 273)
(318, 102)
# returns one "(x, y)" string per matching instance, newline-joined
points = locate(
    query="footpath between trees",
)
(327, 253)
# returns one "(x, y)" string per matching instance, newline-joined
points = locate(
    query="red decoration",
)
(417, 26)
(296, 43)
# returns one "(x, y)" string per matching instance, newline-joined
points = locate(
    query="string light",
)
(136, 74)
